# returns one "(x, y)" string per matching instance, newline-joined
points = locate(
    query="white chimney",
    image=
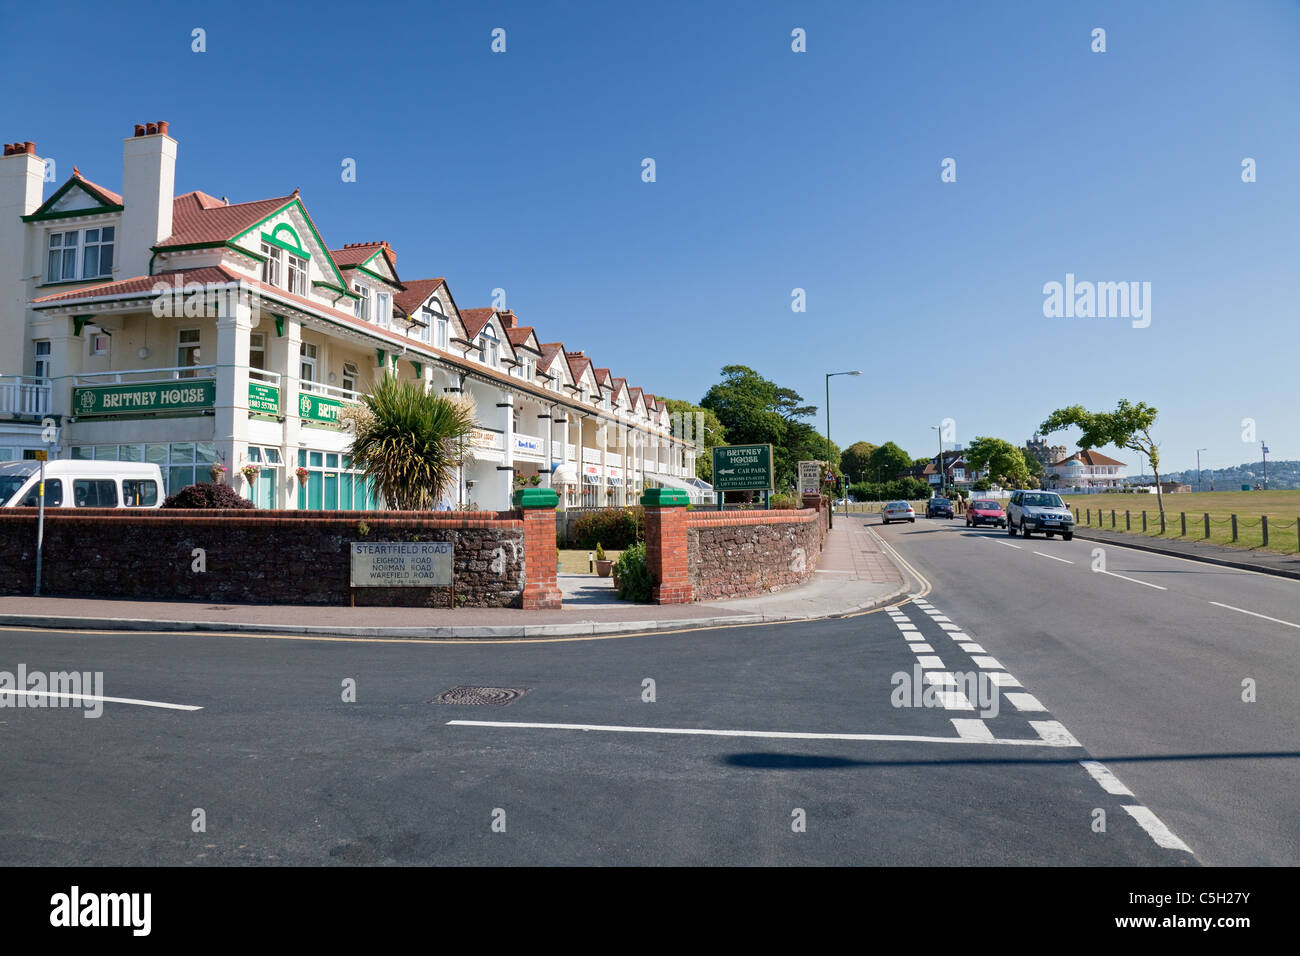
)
(22, 177)
(148, 187)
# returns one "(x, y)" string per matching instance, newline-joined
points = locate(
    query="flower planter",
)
(604, 567)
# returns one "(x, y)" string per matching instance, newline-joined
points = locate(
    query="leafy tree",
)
(1035, 468)
(1128, 426)
(887, 462)
(1003, 461)
(714, 433)
(982, 485)
(409, 443)
(854, 460)
(755, 410)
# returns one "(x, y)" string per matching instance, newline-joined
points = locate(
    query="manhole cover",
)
(481, 696)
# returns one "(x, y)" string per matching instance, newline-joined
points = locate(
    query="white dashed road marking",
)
(1134, 580)
(930, 663)
(1054, 732)
(1024, 701)
(1053, 557)
(107, 700)
(1242, 610)
(1163, 836)
(987, 663)
(1010, 545)
(972, 728)
(1109, 782)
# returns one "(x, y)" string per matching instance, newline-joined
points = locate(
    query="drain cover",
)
(481, 696)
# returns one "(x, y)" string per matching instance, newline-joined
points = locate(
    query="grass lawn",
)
(574, 561)
(1281, 507)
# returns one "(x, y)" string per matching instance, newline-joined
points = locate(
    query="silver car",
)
(1044, 511)
(898, 511)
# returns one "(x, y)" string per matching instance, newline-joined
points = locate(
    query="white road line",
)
(972, 729)
(1109, 782)
(1242, 610)
(960, 636)
(987, 663)
(953, 700)
(1134, 580)
(909, 626)
(1010, 545)
(930, 663)
(912, 636)
(769, 734)
(1156, 829)
(922, 648)
(1054, 732)
(941, 678)
(1024, 701)
(1053, 557)
(971, 648)
(829, 571)
(107, 700)
(1003, 679)
(950, 627)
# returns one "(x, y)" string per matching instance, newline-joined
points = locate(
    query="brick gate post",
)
(665, 545)
(541, 590)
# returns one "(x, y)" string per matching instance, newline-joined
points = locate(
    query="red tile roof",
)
(1089, 457)
(196, 220)
(104, 195)
(549, 351)
(475, 320)
(416, 294)
(143, 284)
(578, 363)
(519, 336)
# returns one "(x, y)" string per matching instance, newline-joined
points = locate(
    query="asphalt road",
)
(1173, 768)
(286, 772)
(1145, 665)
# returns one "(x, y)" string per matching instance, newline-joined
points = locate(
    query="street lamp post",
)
(829, 375)
(1198, 467)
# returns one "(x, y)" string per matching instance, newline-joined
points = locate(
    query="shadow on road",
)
(778, 761)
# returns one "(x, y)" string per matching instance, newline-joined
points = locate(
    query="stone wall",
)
(261, 557)
(743, 553)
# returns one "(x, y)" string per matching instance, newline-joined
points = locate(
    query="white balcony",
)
(20, 395)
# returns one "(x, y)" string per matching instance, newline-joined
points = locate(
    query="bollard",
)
(1182, 517)
(1112, 517)
(1234, 527)
(1263, 524)
(1207, 526)
(1090, 517)
(1144, 521)
(1128, 524)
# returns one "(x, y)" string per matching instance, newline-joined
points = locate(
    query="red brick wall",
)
(743, 553)
(665, 552)
(265, 557)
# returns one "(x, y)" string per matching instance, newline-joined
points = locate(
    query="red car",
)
(985, 511)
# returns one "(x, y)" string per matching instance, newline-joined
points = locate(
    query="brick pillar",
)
(665, 545)
(823, 514)
(541, 590)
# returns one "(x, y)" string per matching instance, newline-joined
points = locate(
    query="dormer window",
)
(363, 303)
(297, 275)
(488, 348)
(383, 308)
(63, 263)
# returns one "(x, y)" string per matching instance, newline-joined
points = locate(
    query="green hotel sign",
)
(742, 468)
(144, 398)
(319, 409)
(263, 399)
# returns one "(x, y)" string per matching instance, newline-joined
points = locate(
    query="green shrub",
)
(600, 552)
(634, 582)
(785, 501)
(205, 495)
(621, 527)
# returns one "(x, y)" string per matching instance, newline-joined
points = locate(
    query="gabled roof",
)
(105, 199)
(416, 293)
(361, 255)
(475, 320)
(523, 337)
(634, 395)
(198, 218)
(603, 378)
(1089, 457)
(578, 363)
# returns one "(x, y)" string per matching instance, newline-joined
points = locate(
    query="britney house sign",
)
(402, 564)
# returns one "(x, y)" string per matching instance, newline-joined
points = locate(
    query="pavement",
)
(854, 575)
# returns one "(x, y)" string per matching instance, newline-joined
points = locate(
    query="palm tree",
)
(407, 442)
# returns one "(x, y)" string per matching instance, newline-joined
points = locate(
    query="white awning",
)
(565, 475)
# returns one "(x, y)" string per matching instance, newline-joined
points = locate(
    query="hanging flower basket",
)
(250, 473)
(217, 472)
(302, 474)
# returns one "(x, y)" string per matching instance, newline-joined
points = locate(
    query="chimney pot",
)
(150, 129)
(9, 149)
(163, 126)
(139, 129)
(31, 147)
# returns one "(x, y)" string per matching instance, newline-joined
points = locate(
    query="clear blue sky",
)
(775, 170)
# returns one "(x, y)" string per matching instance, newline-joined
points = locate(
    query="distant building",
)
(1085, 471)
(956, 472)
(1044, 453)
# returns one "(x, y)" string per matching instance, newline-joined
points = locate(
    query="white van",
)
(81, 484)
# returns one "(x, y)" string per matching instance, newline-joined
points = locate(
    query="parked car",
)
(81, 484)
(985, 511)
(1044, 511)
(897, 511)
(938, 508)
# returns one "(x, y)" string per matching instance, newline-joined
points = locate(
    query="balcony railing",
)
(140, 376)
(21, 395)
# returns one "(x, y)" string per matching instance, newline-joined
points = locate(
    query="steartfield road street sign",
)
(742, 468)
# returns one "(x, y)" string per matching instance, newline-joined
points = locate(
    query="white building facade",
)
(192, 332)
